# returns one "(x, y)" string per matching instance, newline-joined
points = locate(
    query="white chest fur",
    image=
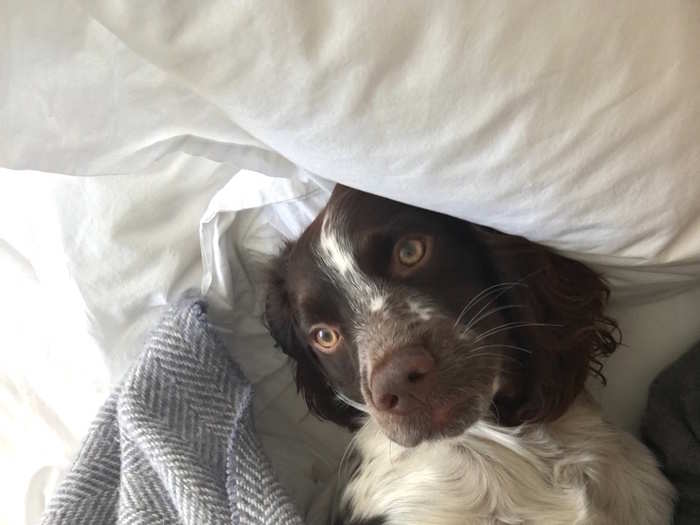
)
(577, 470)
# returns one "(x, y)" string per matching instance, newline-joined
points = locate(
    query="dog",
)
(458, 355)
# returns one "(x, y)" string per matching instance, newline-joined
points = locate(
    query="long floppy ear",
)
(280, 322)
(566, 299)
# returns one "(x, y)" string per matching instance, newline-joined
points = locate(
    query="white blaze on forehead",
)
(334, 253)
(335, 248)
(338, 260)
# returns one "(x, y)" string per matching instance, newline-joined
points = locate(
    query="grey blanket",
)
(671, 427)
(175, 443)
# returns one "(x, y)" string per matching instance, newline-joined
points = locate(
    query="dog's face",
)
(429, 323)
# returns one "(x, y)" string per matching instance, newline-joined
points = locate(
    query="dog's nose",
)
(402, 382)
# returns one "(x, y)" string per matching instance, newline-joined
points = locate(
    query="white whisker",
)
(511, 326)
(513, 347)
(483, 293)
(476, 319)
(351, 403)
(492, 299)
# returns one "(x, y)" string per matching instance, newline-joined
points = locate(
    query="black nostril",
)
(389, 401)
(415, 376)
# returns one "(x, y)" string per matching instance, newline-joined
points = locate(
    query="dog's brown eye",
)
(411, 251)
(325, 338)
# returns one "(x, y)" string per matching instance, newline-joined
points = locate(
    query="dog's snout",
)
(402, 381)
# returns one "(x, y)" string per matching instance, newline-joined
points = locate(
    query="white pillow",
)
(575, 124)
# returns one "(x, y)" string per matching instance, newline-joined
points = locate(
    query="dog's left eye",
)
(410, 251)
(325, 338)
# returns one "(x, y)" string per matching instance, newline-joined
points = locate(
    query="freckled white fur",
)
(577, 470)
(423, 312)
(377, 303)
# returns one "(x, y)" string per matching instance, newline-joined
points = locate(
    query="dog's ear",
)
(569, 333)
(280, 321)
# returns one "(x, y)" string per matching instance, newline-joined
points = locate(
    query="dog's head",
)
(430, 323)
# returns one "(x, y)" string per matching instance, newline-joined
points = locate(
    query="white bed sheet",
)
(188, 197)
(489, 111)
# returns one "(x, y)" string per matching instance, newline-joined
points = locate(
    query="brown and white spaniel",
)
(459, 354)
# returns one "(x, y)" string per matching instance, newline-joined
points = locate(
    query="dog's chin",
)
(443, 422)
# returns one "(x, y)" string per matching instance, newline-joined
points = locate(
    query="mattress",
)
(145, 152)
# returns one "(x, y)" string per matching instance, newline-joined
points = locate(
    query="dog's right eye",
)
(410, 254)
(325, 338)
(410, 251)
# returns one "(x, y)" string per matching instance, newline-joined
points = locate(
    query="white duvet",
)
(215, 129)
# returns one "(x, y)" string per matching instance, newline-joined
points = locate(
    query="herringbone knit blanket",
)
(175, 443)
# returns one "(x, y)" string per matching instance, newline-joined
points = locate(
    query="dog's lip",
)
(439, 412)
(441, 417)
(440, 426)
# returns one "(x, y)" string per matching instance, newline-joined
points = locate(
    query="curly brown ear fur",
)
(279, 320)
(571, 297)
